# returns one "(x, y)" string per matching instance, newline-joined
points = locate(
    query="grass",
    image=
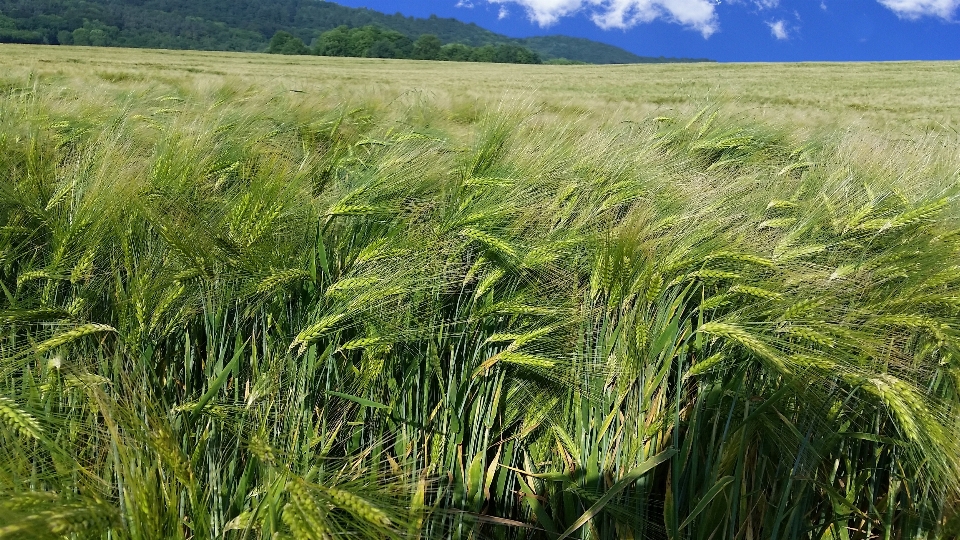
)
(358, 310)
(901, 100)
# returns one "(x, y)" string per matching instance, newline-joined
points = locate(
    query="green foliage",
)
(591, 52)
(365, 42)
(564, 62)
(375, 42)
(232, 313)
(427, 47)
(10, 34)
(286, 43)
(456, 52)
(247, 25)
(93, 33)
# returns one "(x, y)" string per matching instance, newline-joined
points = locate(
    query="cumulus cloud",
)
(607, 14)
(914, 9)
(779, 30)
(546, 12)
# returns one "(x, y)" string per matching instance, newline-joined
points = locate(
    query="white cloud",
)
(546, 12)
(759, 4)
(607, 14)
(504, 13)
(779, 30)
(465, 4)
(913, 9)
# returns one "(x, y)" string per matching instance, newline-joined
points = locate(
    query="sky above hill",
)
(725, 30)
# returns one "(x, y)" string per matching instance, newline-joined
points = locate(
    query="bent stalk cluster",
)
(230, 314)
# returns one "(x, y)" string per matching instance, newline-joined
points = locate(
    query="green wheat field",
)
(257, 297)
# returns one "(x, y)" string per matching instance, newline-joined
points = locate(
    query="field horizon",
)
(894, 99)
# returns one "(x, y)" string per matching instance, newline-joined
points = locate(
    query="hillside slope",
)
(247, 25)
(592, 52)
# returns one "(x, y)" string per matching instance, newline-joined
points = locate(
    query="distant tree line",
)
(118, 24)
(374, 42)
(9, 33)
(247, 25)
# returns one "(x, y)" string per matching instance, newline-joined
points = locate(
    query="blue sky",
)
(724, 30)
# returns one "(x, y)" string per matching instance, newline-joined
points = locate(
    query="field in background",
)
(247, 296)
(898, 100)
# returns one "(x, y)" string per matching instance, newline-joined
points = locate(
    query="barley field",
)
(256, 297)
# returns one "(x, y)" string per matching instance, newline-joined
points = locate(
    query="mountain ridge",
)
(247, 25)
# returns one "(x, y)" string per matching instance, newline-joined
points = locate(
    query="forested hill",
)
(248, 25)
(592, 52)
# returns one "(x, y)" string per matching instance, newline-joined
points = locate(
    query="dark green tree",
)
(427, 47)
(9, 33)
(285, 43)
(94, 33)
(81, 36)
(361, 39)
(335, 42)
(515, 54)
(367, 41)
(404, 46)
(456, 52)
(384, 48)
(487, 53)
(98, 38)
